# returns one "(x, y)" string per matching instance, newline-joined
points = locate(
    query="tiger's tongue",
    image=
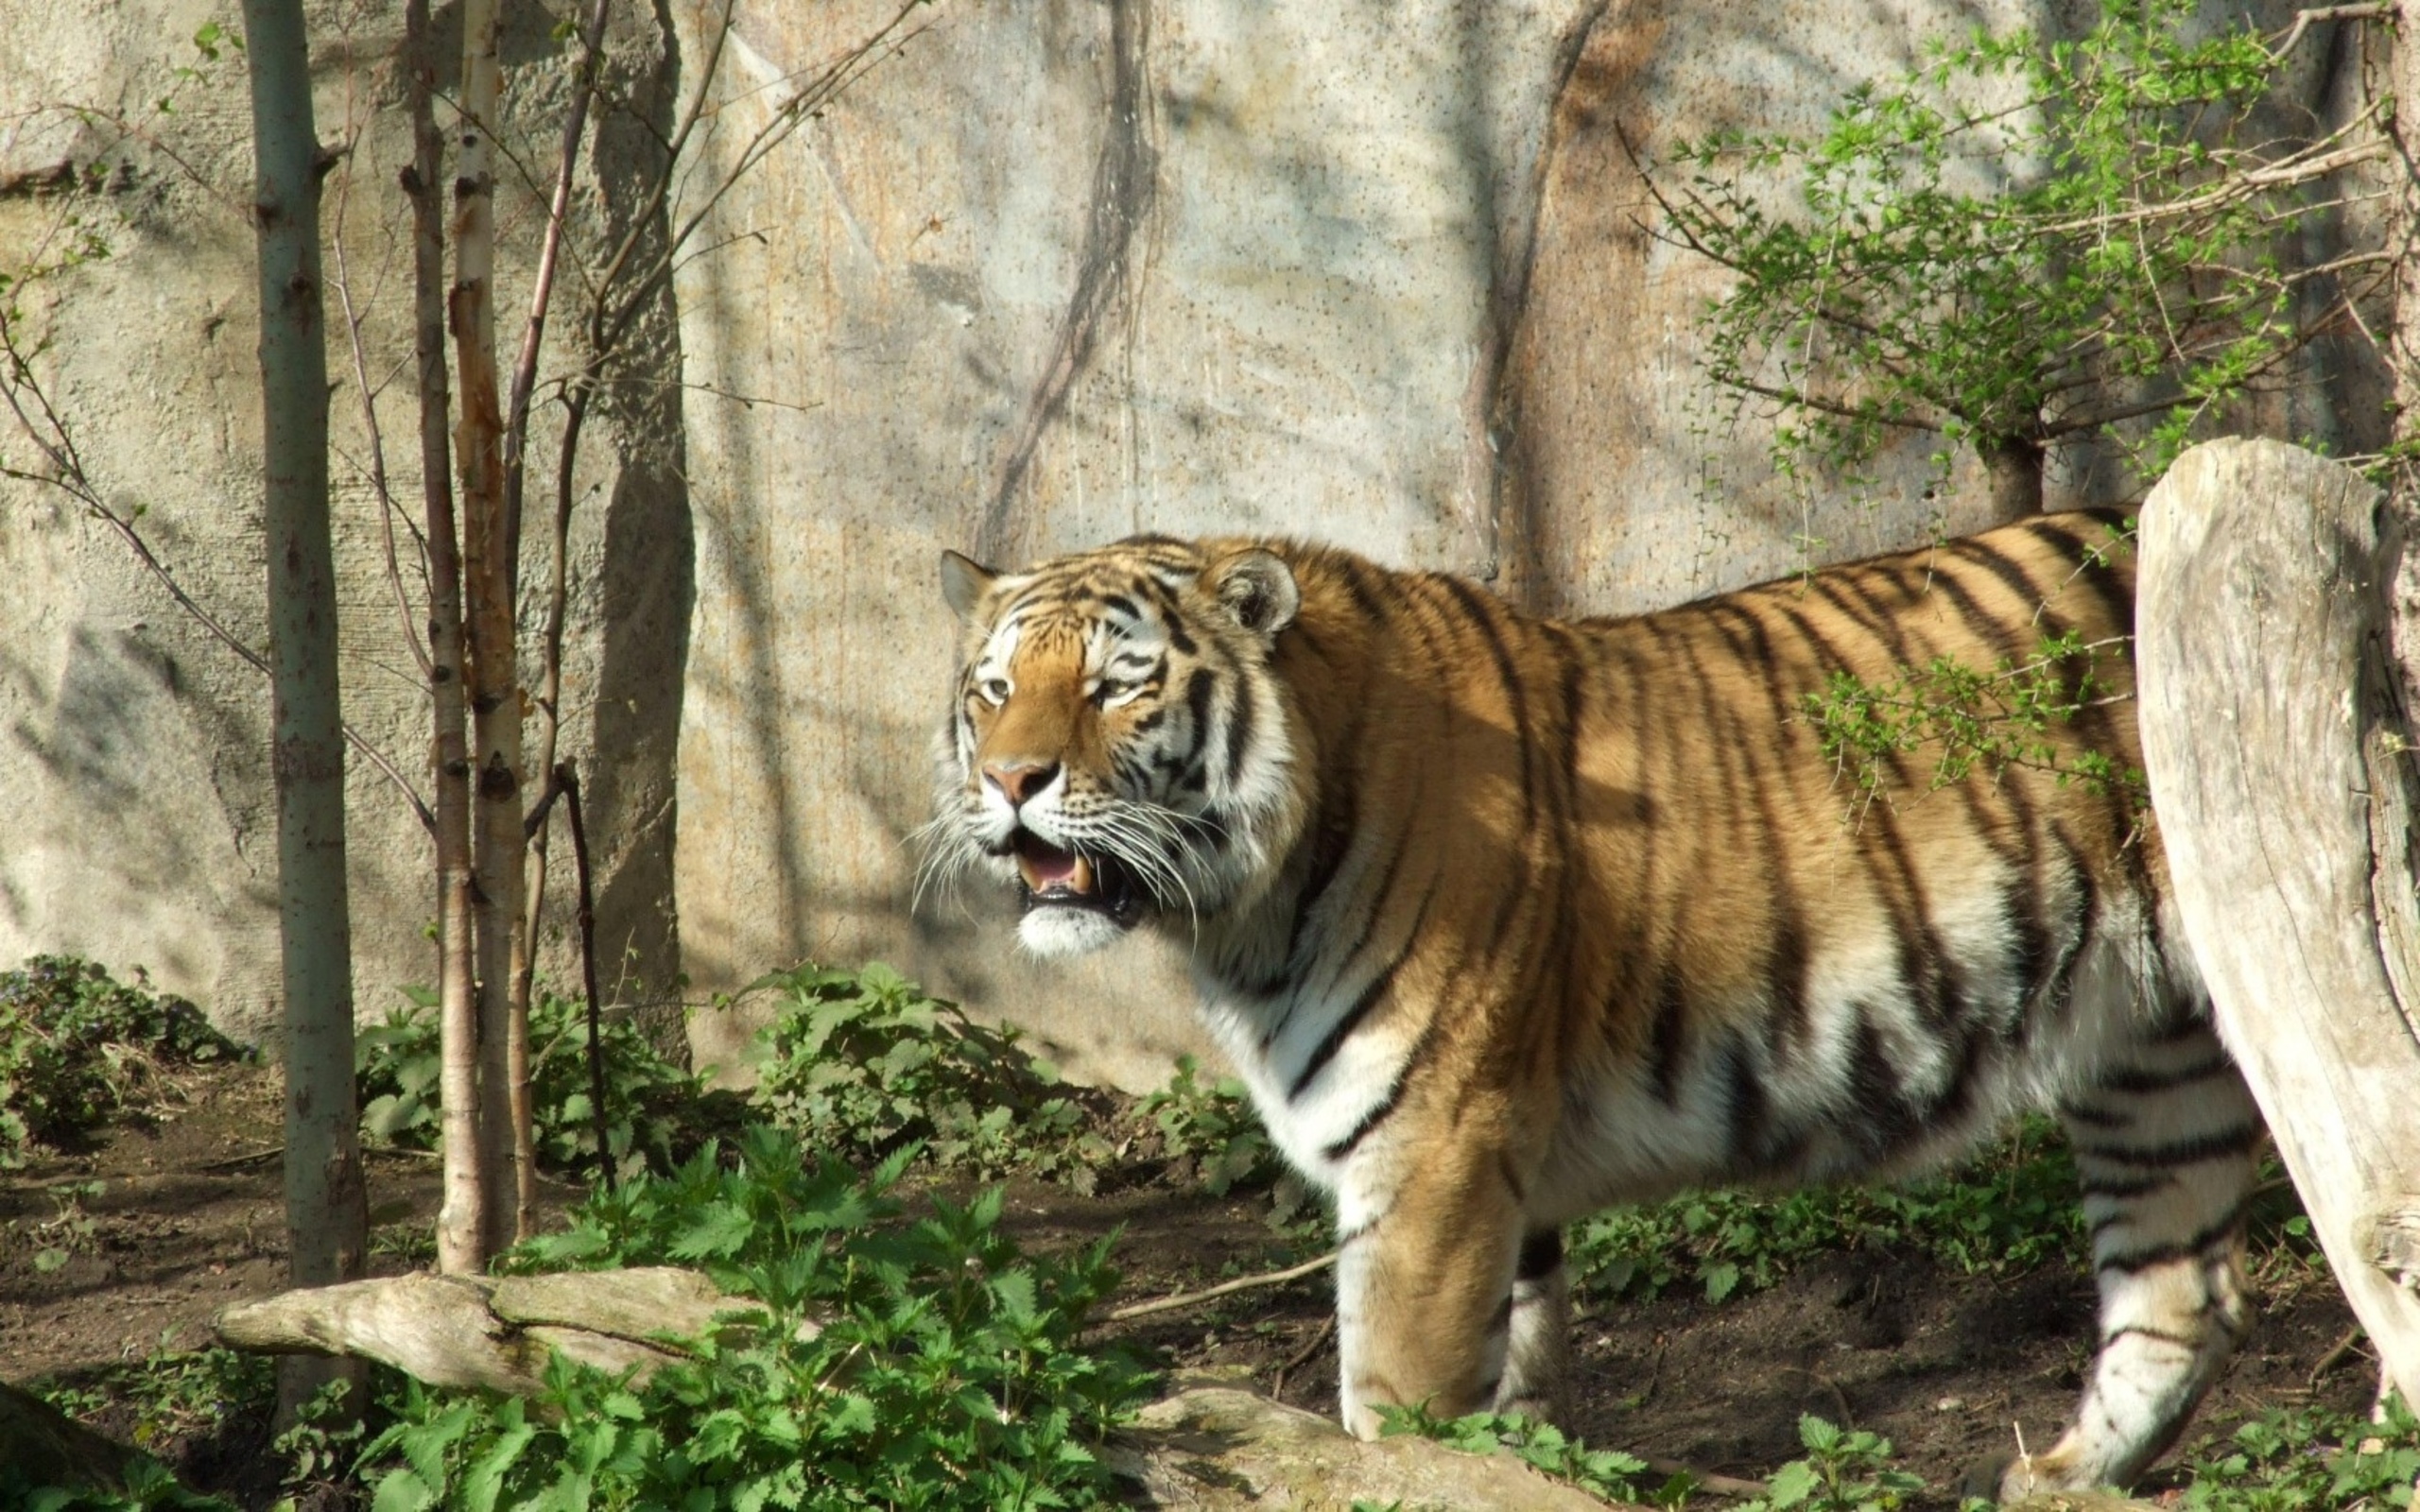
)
(1046, 868)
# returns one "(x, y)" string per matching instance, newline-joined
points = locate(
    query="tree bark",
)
(461, 1221)
(2281, 774)
(2014, 469)
(326, 1218)
(488, 557)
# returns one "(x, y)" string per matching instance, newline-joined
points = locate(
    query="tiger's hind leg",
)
(1537, 1345)
(2165, 1143)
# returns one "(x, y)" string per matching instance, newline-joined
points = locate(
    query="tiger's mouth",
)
(1069, 879)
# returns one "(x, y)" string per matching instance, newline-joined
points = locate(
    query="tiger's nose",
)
(1019, 781)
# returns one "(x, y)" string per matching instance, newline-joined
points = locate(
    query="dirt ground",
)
(188, 1218)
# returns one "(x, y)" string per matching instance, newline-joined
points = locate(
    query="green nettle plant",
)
(2024, 241)
(77, 1047)
(862, 1063)
(1605, 1472)
(942, 1367)
(1845, 1471)
(2010, 1208)
(397, 1070)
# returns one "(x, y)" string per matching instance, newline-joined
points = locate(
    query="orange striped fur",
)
(1504, 919)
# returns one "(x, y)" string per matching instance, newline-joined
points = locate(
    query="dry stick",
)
(461, 1221)
(1183, 1299)
(1319, 1336)
(2334, 1357)
(568, 781)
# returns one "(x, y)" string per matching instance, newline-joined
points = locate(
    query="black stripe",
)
(2146, 1079)
(1475, 604)
(1664, 1043)
(2236, 1141)
(1999, 635)
(1197, 689)
(1355, 575)
(1345, 1025)
(2135, 1261)
(1238, 733)
(1377, 1115)
(2124, 1187)
(1747, 1111)
(2096, 1117)
(2001, 565)
(1884, 1120)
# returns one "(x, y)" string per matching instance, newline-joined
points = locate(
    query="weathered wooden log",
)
(2282, 775)
(477, 1331)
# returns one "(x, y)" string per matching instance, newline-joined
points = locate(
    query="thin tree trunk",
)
(494, 692)
(461, 1221)
(326, 1218)
(2403, 341)
(517, 445)
(2013, 468)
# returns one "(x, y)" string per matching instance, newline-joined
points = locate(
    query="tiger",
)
(1505, 918)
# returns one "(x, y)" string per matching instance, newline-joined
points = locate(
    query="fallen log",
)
(2282, 774)
(480, 1330)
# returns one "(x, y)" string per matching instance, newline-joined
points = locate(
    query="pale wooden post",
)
(2281, 775)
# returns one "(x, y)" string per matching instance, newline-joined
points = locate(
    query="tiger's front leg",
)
(1429, 1299)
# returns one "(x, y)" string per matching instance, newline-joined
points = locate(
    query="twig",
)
(1244, 1283)
(1285, 1368)
(2344, 1350)
(1708, 1480)
(568, 781)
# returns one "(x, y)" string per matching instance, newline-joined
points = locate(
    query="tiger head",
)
(1119, 745)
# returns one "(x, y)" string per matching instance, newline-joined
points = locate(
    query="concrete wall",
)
(1050, 272)
(133, 745)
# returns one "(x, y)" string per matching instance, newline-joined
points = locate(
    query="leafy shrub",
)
(396, 1072)
(2287, 1460)
(1542, 1447)
(2011, 1209)
(945, 1374)
(863, 1063)
(172, 1394)
(77, 1047)
(1843, 1471)
(1211, 1128)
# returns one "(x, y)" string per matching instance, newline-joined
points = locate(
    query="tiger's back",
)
(1537, 916)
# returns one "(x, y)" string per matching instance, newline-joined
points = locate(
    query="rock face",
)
(1040, 277)
(1218, 1449)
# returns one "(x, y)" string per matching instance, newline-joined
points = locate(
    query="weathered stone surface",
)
(1218, 1449)
(1048, 275)
(134, 754)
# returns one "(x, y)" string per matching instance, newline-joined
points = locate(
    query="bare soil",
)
(1951, 1367)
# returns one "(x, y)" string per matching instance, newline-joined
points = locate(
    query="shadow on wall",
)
(125, 731)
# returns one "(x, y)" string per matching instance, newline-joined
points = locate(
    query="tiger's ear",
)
(1257, 588)
(963, 581)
